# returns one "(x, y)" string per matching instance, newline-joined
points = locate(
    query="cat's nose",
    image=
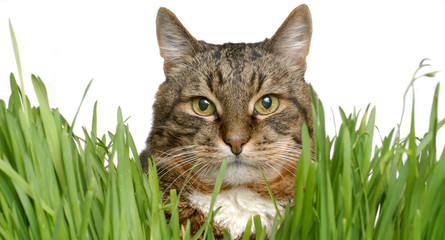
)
(236, 144)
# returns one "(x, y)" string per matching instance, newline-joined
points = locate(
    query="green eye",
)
(267, 104)
(202, 106)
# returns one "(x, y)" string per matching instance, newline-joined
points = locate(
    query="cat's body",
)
(242, 102)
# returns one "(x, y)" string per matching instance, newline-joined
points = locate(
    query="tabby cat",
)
(244, 102)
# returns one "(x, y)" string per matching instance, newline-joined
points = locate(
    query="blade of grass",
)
(272, 196)
(218, 184)
(248, 230)
(80, 105)
(17, 59)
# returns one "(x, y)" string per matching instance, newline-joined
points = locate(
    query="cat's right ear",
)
(175, 42)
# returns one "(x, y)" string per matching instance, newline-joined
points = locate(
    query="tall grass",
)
(55, 184)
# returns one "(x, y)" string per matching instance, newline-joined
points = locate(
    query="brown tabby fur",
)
(233, 76)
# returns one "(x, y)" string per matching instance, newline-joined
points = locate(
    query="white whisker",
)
(203, 168)
(183, 162)
(176, 179)
(277, 172)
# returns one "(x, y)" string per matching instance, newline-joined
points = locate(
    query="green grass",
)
(56, 184)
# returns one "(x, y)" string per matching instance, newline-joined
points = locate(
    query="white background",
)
(361, 53)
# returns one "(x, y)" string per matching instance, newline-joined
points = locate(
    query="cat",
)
(243, 102)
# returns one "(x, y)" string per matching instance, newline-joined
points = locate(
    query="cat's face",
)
(242, 102)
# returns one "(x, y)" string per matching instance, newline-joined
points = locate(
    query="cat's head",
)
(242, 102)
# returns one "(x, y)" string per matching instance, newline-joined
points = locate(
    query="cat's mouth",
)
(240, 171)
(240, 162)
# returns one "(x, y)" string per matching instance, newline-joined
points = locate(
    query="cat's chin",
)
(241, 172)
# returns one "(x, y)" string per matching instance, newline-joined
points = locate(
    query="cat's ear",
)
(292, 39)
(175, 42)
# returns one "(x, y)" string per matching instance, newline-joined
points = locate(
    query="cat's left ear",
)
(292, 39)
(175, 42)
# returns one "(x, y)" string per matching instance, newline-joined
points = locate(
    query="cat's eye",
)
(202, 106)
(267, 104)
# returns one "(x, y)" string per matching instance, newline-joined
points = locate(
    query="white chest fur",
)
(238, 205)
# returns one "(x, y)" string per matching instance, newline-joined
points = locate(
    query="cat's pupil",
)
(266, 102)
(203, 104)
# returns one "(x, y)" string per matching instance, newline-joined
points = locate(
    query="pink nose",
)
(236, 145)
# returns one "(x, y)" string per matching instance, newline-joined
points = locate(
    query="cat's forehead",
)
(246, 67)
(236, 70)
(229, 69)
(237, 56)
